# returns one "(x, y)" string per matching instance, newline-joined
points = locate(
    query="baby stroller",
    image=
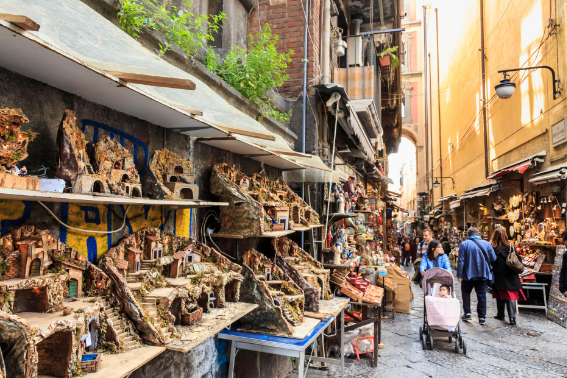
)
(440, 315)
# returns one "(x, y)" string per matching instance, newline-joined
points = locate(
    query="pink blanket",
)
(442, 311)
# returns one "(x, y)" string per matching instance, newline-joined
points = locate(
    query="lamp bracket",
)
(556, 82)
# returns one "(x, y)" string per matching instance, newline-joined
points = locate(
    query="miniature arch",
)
(136, 192)
(178, 169)
(186, 193)
(98, 187)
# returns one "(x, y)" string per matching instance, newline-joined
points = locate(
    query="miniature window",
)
(178, 169)
(137, 265)
(124, 178)
(173, 178)
(136, 192)
(189, 258)
(118, 165)
(157, 253)
(35, 267)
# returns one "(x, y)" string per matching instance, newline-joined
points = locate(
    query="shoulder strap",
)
(484, 254)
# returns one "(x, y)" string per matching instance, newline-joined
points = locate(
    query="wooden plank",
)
(23, 22)
(211, 324)
(8, 180)
(36, 195)
(290, 153)
(275, 234)
(235, 130)
(189, 110)
(122, 364)
(299, 332)
(329, 308)
(228, 236)
(156, 81)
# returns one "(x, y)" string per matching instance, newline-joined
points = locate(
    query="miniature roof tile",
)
(122, 264)
(135, 250)
(180, 255)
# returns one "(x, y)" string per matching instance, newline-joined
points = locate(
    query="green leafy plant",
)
(179, 24)
(255, 71)
(394, 61)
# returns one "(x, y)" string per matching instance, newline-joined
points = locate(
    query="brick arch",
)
(410, 134)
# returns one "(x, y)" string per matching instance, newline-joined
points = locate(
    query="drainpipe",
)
(431, 123)
(439, 101)
(326, 51)
(483, 88)
(305, 60)
(426, 118)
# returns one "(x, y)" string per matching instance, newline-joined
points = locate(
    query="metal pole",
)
(426, 118)
(305, 36)
(483, 88)
(439, 99)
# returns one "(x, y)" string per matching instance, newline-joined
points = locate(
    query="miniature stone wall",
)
(30, 300)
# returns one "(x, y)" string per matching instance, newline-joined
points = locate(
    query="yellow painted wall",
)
(513, 32)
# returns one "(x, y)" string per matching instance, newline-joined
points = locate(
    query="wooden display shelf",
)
(539, 245)
(307, 228)
(122, 364)
(269, 234)
(211, 324)
(329, 308)
(36, 195)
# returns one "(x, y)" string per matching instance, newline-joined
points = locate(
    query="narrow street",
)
(532, 348)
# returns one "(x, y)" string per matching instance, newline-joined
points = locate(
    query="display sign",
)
(558, 133)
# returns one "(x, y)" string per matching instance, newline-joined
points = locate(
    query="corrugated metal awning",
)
(446, 198)
(455, 204)
(475, 193)
(520, 166)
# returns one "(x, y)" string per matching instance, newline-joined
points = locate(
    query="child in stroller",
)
(441, 313)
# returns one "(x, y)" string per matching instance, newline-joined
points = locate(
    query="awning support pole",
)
(324, 236)
(305, 60)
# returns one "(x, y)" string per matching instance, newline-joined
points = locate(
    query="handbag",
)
(486, 259)
(513, 263)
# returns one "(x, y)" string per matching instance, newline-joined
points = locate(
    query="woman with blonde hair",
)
(507, 287)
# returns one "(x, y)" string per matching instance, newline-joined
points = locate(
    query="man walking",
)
(563, 271)
(424, 244)
(474, 271)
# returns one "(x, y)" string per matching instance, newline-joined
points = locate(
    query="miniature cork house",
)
(116, 171)
(154, 247)
(134, 255)
(180, 259)
(173, 176)
(33, 255)
(282, 308)
(122, 267)
(75, 273)
(260, 207)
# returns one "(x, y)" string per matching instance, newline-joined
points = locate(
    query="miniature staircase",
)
(146, 264)
(288, 317)
(128, 341)
(150, 304)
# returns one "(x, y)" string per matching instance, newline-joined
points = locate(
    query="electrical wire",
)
(89, 231)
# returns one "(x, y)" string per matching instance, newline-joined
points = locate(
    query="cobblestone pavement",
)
(535, 347)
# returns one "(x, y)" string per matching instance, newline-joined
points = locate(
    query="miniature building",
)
(245, 183)
(173, 176)
(178, 265)
(122, 266)
(33, 255)
(75, 278)
(154, 247)
(134, 255)
(280, 215)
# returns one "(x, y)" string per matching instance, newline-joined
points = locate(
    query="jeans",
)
(480, 289)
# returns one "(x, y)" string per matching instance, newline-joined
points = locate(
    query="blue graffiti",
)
(92, 214)
(113, 132)
(6, 224)
(222, 360)
(92, 249)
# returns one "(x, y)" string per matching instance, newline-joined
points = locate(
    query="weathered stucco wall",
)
(518, 126)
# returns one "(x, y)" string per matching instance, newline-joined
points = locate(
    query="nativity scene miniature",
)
(258, 206)
(164, 281)
(115, 172)
(44, 313)
(172, 177)
(281, 301)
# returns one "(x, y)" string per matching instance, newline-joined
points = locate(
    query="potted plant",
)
(388, 59)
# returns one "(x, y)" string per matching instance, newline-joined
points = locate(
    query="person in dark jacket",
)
(563, 271)
(446, 245)
(507, 287)
(414, 245)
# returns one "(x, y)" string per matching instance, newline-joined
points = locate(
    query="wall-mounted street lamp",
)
(506, 88)
(437, 184)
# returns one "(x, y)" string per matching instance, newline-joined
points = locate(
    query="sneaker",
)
(467, 317)
(482, 321)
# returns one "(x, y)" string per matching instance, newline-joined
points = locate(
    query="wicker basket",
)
(351, 291)
(90, 363)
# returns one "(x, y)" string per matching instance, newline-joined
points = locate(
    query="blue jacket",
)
(471, 263)
(442, 261)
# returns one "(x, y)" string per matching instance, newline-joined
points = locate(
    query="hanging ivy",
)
(180, 25)
(254, 71)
